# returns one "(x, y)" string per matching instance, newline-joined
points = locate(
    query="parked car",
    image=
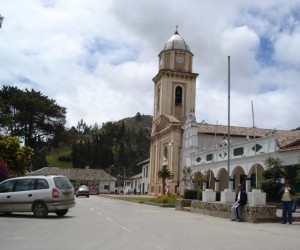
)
(83, 191)
(38, 194)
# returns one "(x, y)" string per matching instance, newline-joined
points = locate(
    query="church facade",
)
(178, 141)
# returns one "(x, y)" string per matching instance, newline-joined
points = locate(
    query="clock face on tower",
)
(179, 58)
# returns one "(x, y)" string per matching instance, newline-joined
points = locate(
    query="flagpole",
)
(228, 140)
(256, 178)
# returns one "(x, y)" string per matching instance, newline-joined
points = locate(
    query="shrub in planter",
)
(218, 195)
(199, 195)
(190, 194)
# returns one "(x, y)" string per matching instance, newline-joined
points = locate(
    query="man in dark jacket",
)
(240, 201)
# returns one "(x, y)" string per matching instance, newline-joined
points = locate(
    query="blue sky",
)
(97, 58)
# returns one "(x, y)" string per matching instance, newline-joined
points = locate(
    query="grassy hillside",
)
(56, 157)
(137, 122)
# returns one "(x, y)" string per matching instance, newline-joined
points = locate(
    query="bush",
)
(4, 171)
(218, 195)
(199, 195)
(190, 194)
(65, 158)
(272, 190)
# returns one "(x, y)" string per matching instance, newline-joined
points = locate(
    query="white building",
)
(138, 184)
(178, 141)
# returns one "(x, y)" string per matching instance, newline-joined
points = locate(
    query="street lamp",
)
(1, 20)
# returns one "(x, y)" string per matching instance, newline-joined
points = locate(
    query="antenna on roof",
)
(176, 32)
(215, 137)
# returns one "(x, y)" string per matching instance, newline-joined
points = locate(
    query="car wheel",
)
(87, 196)
(61, 212)
(39, 209)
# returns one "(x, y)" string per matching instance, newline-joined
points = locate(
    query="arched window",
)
(178, 96)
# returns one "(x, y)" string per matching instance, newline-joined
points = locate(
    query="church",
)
(179, 141)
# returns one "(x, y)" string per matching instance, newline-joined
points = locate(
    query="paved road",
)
(104, 223)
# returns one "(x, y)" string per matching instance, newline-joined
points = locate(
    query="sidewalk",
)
(296, 215)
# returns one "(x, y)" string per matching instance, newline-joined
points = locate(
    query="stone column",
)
(231, 184)
(256, 198)
(228, 196)
(208, 195)
(216, 185)
(248, 185)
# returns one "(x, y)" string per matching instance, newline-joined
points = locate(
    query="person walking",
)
(240, 201)
(286, 192)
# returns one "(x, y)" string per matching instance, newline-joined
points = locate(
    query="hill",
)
(62, 156)
(137, 122)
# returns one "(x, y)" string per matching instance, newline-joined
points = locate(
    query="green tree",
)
(165, 174)
(116, 144)
(30, 116)
(17, 157)
(298, 173)
(197, 180)
(273, 176)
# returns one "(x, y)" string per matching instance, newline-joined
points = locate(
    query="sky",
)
(97, 58)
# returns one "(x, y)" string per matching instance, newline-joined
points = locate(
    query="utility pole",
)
(1, 21)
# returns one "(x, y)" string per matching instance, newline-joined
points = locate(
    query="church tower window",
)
(178, 96)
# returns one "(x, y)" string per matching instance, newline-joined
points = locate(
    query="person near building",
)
(295, 204)
(287, 192)
(240, 201)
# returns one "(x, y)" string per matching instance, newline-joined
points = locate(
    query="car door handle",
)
(30, 195)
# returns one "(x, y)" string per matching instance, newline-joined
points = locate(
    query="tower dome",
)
(176, 42)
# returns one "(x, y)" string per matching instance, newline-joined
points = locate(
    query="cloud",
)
(97, 58)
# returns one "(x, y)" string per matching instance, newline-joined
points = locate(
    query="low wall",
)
(252, 214)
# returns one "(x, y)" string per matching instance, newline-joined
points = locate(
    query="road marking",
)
(126, 229)
(148, 211)
(92, 209)
(99, 213)
(109, 219)
(156, 246)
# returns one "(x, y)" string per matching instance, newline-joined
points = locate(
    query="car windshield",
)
(62, 182)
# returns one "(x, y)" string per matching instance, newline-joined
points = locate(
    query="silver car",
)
(39, 194)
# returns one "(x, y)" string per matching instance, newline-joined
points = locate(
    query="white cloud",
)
(97, 58)
(288, 50)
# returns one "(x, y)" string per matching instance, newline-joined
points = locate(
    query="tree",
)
(114, 144)
(187, 178)
(298, 173)
(192, 180)
(273, 176)
(4, 171)
(165, 174)
(198, 180)
(16, 157)
(31, 117)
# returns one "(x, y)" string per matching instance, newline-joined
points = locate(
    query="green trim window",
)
(256, 147)
(238, 151)
(209, 157)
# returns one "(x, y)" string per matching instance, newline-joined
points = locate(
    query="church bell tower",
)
(174, 97)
